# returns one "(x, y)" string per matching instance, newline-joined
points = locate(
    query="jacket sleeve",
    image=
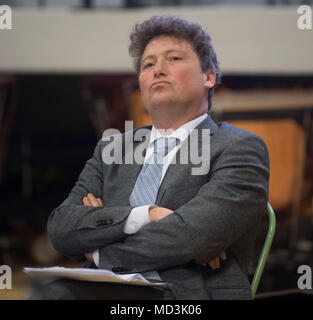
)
(75, 229)
(231, 202)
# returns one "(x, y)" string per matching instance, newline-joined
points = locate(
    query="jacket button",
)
(128, 268)
(105, 222)
(109, 221)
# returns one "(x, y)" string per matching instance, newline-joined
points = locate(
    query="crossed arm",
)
(155, 214)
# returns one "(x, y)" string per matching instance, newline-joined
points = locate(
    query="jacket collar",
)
(143, 133)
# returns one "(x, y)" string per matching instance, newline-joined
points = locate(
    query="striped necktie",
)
(147, 185)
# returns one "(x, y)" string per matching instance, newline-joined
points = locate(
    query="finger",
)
(86, 201)
(100, 202)
(218, 263)
(93, 200)
(89, 256)
(212, 264)
(223, 255)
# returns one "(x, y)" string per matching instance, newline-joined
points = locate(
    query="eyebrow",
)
(150, 56)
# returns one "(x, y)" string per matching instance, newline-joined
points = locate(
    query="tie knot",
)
(163, 146)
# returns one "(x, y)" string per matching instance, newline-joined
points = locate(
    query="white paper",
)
(46, 275)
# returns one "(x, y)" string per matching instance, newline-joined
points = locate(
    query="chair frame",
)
(265, 251)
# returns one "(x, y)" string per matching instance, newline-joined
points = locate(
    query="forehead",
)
(164, 43)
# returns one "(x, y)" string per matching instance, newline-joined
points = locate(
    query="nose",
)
(159, 68)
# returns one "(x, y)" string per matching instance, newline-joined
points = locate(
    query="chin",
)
(162, 101)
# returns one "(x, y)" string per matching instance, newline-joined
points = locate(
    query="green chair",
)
(265, 251)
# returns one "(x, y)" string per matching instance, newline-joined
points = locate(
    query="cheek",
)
(190, 80)
(183, 74)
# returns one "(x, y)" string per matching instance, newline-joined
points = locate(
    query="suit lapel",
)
(136, 143)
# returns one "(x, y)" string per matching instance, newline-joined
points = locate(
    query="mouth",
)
(159, 83)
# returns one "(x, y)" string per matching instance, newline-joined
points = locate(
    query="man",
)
(158, 217)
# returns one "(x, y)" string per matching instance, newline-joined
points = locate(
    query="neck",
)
(173, 123)
(173, 116)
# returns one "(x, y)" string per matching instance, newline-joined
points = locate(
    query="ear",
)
(210, 75)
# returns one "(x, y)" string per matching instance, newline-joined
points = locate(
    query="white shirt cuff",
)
(137, 218)
(96, 257)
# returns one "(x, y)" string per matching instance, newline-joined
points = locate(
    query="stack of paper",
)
(46, 275)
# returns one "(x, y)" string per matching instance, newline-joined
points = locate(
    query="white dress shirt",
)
(139, 216)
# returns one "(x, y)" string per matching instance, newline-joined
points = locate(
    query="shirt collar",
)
(181, 133)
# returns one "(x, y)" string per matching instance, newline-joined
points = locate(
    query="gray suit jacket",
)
(213, 212)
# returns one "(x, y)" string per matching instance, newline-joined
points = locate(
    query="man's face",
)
(171, 78)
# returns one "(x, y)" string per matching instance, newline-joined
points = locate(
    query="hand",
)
(215, 264)
(91, 201)
(158, 213)
(89, 256)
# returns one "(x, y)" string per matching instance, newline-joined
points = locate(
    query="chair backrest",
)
(265, 251)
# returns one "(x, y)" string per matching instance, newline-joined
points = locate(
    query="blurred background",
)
(65, 77)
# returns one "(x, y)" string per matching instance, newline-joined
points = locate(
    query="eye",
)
(175, 58)
(147, 65)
